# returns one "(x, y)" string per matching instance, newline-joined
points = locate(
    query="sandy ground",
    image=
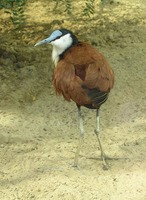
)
(39, 131)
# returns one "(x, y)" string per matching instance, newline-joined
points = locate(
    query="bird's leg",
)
(103, 156)
(80, 137)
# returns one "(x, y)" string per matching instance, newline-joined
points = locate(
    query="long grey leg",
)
(81, 137)
(105, 164)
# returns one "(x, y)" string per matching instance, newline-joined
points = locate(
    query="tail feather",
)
(97, 97)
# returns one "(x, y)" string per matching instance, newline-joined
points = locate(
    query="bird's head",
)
(60, 39)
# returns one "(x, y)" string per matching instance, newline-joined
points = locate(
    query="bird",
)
(82, 75)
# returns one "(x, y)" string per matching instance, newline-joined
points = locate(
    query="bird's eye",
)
(58, 37)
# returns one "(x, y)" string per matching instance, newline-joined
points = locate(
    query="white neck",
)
(55, 54)
(59, 46)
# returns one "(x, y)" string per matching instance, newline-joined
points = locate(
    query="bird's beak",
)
(45, 41)
(52, 37)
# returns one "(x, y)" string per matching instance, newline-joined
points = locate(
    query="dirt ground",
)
(39, 131)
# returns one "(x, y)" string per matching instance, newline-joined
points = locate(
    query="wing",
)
(84, 76)
(99, 75)
(99, 80)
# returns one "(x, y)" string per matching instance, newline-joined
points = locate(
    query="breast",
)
(68, 84)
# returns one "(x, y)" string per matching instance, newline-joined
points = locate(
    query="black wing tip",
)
(97, 96)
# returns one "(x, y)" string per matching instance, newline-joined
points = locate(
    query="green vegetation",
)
(16, 9)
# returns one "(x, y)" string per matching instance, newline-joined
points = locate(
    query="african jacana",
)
(81, 74)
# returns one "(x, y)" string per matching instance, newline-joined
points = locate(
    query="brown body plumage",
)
(81, 74)
(82, 69)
